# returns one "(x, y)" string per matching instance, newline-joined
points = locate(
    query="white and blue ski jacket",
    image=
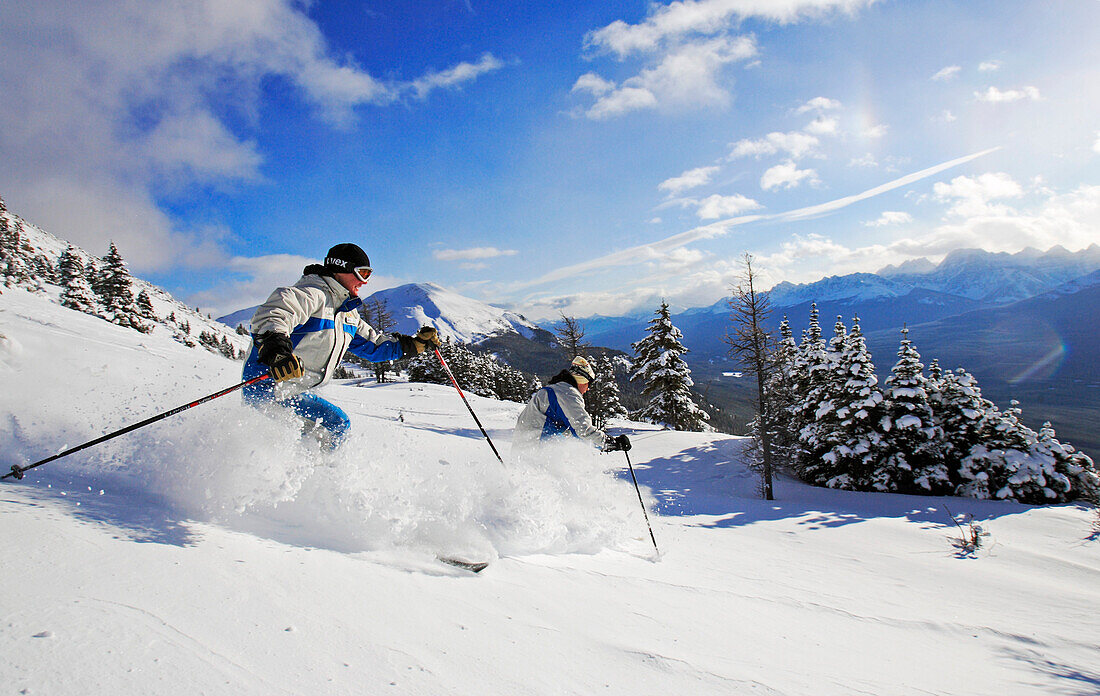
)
(556, 410)
(320, 316)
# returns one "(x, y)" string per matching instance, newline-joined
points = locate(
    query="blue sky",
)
(589, 157)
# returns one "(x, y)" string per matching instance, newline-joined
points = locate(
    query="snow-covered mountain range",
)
(974, 274)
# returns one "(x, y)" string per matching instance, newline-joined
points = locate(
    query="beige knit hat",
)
(581, 370)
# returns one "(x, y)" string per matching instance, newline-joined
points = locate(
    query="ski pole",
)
(646, 514)
(470, 408)
(18, 471)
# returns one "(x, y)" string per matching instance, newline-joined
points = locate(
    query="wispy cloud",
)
(455, 76)
(948, 73)
(690, 179)
(1069, 219)
(680, 20)
(644, 252)
(989, 66)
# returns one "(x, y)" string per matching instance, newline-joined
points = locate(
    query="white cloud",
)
(823, 126)
(622, 101)
(948, 73)
(144, 99)
(678, 20)
(876, 131)
(867, 160)
(946, 117)
(786, 175)
(714, 207)
(685, 76)
(688, 180)
(890, 218)
(996, 96)
(796, 144)
(818, 105)
(252, 280)
(989, 66)
(475, 253)
(686, 45)
(1096, 145)
(593, 84)
(455, 76)
(972, 196)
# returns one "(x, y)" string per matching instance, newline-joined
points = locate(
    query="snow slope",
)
(216, 552)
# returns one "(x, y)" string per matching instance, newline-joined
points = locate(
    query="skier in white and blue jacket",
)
(300, 335)
(557, 411)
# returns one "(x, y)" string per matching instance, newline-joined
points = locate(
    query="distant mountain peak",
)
(910, 267)
(454, 316)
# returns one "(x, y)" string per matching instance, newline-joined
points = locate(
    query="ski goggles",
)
(362, 272)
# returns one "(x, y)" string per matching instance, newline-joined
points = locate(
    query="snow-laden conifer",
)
(780, 387)
(115, 290)
(851, 444)
(76, 292)
(811, 375)
(962, 414)
(665, 377)
(14, 267)
(603, 399)
(477, 374)
(1013, 462)
(914, 460)
(144, 305)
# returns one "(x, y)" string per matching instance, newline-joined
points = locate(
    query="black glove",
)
(277, 352)
(617, 443)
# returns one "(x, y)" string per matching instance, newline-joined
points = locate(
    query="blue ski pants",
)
(306, 405)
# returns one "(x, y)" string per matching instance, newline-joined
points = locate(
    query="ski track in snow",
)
(219, 553)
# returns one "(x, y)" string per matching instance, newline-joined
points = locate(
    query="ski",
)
(472, 566)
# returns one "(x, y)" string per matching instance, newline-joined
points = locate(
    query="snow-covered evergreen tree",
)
(665, 377)
(1073, 475)
(603, 399)
(144, 305)
(962, 414)
(477, 374)
(811, 377)
(115, 292)
(1013, 462)
(76, 293)
(780, 389)
(914, 459)
(851, 443)
(14, 269)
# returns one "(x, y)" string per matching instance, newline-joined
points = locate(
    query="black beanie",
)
(344, 258)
